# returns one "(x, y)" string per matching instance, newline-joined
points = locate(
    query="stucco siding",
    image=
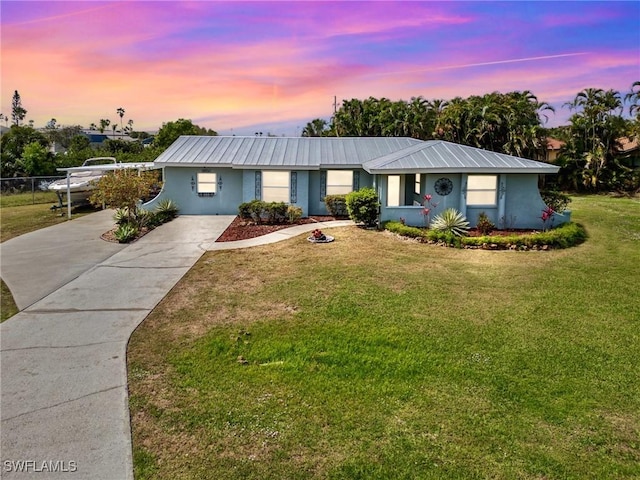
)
(180, 186)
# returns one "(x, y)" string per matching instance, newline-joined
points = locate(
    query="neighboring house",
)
(629, 152)
(96, 138)
(214, 175)
(553, 146)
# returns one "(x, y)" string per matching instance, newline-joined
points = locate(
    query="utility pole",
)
(335, 110)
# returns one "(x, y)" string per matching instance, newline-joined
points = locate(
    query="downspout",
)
(379, 193)
(502, 197)
(463, 194)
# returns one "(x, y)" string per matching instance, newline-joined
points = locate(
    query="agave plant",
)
(166, 210)
(451, 221)
(121, 216)
(125, 233)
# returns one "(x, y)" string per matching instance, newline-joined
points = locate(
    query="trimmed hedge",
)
(266, 212)
(566, 235)
(336, 205)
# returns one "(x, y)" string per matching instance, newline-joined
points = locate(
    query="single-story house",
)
(213, 175)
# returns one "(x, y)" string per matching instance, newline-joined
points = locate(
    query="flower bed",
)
(564, 236)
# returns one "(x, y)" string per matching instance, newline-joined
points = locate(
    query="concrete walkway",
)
(64, 404)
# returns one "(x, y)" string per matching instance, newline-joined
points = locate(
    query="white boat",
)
(82, 182)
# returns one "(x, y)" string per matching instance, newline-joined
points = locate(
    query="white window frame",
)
(207, 183)
(393, 197)
(417, 184)
(275, 187)
(478, 188)
(338, 186)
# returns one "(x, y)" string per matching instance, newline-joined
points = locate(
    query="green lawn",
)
(373, 357)
(19, 215)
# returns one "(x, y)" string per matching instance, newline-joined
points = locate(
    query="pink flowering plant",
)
(547, 218)
(427, 208)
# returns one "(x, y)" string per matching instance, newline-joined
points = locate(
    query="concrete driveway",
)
(63, 399)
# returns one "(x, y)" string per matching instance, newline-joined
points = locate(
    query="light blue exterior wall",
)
(518, 202)
(316, 190)
(180, 186)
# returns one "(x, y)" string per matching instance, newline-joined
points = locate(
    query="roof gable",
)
(437, 156)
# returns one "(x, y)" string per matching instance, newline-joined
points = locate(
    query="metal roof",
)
(437, 156)
(386, 155)
(303, 153)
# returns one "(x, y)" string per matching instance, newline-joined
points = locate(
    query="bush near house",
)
(269, 212)
(130, 225)
(363, 206)
(556, 200)
(336, 205)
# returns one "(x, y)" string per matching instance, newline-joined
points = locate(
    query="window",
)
(481, 189)
(393, 191)
(275, 186)
(207, 183)
(416, 187)
(339, 182)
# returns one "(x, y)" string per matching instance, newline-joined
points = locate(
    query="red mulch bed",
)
(242, 229)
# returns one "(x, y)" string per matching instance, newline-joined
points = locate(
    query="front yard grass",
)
(373, 357)
(18, 214)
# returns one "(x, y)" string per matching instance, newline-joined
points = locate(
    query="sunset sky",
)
(242, 67)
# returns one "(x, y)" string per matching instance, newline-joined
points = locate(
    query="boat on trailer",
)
(81, 183)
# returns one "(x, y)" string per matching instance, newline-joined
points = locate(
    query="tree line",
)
(511, 123)
(26, 151)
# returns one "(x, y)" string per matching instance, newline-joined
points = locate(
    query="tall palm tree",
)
(120, 112)
(633, 97)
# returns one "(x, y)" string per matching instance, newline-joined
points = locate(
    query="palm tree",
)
(315, 128)
(633, 97)
(104, 123)
(120, 112)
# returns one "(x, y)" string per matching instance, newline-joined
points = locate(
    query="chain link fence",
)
(32, 189)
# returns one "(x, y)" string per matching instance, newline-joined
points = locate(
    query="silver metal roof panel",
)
(439, 156)
(374, 154)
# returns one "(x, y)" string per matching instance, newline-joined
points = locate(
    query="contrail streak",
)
(482, 64)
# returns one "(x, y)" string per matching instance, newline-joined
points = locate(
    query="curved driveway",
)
(63, 391)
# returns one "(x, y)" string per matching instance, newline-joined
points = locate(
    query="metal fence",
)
(36, 186)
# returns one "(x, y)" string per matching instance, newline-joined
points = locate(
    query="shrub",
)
(244, 211)
(336, 205)
(166, 210)
(406, 231)
(267, 212)
(564, 236)
(253, 210)
(121, 216)
(276, 211)
(451, 221)
(485, 226)
(363, 206)
(126, 232)
(557, 201)
(294, 214)
(142, 218)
